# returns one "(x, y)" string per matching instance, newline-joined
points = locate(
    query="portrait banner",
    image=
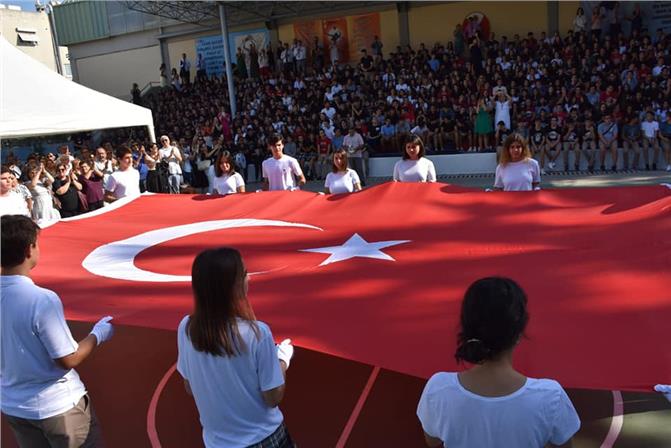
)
(336, 39)
(364, 29)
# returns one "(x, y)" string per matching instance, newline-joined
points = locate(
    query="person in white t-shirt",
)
(11, 202)
(125, 182)
(414, 167)
(342, 179)
(491, 404)
(227, 180)
(44, 401)
(517, 170)
(229, 360)
(281, 172)
(650, 128)
(173, 156)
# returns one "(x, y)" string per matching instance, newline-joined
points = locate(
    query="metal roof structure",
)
(244, 12)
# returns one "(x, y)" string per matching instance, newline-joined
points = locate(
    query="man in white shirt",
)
(354, 145)
(650, 128)
(300, 54)
(11, 202)
(280, 171)
(103, 164)
(126, 181)
(43, 399)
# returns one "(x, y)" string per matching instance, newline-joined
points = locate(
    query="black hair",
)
(122, 151)
(414, 140)
(493, 318)
(225, 156)
(18, 233)
(273, 139)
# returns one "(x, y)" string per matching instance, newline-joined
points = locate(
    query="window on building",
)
(27, 36)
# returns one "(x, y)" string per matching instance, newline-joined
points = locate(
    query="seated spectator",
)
(414, 167)
(517, 170)
(650, 130)
(665, 138)
(125, 182)
(228, 359)
(227, 180)
(491, 404)
(608, 133)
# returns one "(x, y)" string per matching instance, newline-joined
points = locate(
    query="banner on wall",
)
(307, 31)
(476, 23)
(364, 29)
(212, 48)
(336, 39)
(654, 15)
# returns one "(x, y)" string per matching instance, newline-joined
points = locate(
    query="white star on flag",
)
(356, 247)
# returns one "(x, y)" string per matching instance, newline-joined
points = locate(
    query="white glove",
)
(103, 330)
(537, 188)
(665, 389)
(487, 190)
(285, 351)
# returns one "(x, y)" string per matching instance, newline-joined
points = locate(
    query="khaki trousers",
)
(75, 428)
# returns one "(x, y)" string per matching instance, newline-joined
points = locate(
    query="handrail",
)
(148, 86)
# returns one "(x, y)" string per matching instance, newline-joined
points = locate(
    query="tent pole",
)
(227, 58)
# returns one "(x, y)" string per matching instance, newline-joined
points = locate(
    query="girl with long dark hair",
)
(228, 359)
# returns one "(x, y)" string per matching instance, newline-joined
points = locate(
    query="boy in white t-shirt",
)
(281, 172)
(126, 181)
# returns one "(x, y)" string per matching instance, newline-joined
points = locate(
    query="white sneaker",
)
(551, 165)
(668, 167)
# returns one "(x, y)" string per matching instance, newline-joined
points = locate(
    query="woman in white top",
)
(40, 189)
(580, 21)
(517, 170)
(414, 167)
(229, 361)
(172, 154)
(491, 404)
(341, 179)
(227, 180)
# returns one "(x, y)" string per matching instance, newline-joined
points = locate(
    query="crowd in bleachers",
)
(583, 100)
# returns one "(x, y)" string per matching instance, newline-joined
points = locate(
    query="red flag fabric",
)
(378, 276)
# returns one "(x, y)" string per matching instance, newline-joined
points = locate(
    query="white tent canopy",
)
(37, 101)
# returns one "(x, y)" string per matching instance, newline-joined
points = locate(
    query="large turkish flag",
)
(378, 276)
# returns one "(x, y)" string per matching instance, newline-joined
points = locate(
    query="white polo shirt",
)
(280, 172)
(227, 390)
(124, 183)
(33, 333)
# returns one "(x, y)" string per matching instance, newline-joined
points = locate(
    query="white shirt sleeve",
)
(397, 171)
(296, 167)
(565, 422)
(355, 177)
(182, 339)
(52, 330)
(535, 172)
(264, 173)
(239, 181)
(498, 181)
(431, 175)
(111, 184)
(327, 181)
(267, 363)
(425, 411)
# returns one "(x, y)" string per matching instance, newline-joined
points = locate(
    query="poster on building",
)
(364, 29)
(336, 39)
(653, 15)
(246, 40)
(212, 51)
(307, 31)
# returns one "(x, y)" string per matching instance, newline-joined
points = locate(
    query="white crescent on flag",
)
(116, 259)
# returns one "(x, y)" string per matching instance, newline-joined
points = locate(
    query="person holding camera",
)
(43, 399)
